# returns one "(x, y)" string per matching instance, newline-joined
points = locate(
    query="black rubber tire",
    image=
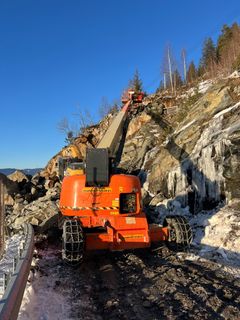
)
(180, 233)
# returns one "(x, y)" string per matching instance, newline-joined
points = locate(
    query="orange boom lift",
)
(103, 210)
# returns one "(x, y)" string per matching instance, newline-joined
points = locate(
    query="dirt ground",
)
(144, 284)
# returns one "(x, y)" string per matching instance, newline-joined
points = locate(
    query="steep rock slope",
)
(192, 155)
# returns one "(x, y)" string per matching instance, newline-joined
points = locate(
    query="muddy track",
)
(153, 286)
(140, 285)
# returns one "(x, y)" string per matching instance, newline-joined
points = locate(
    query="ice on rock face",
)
(201, 175)
(174, 205)
(146, 185)
(202, 172)
(176, 181)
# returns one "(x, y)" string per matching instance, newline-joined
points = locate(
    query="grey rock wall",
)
(194, 159)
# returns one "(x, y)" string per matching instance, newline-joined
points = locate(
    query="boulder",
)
(8, 200)
(18, 176)
(11, 186)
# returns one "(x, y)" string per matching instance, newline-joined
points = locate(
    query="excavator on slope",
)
(103, 210)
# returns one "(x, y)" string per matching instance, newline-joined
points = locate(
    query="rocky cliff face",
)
(191, 155)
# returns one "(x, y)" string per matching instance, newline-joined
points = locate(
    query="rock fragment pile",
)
(30, 199)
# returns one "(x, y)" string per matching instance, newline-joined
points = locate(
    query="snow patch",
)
(217, 236)
(234, 75)
(185, 127)
(226, 110)
(216, 233)
(43, 299)
(11, 250)
(204, 86)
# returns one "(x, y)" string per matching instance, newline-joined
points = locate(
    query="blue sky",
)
(57, 56)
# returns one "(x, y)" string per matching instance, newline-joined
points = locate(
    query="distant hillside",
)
(31, 172)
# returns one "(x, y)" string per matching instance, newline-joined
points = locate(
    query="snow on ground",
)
(216, 233)
(184, 127)
(189, 93)
(42, 299)
(217, 236)
(11, 250)
(234, 75)
(204, 86)
(227, 110)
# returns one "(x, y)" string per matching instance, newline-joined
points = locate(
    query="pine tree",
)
(235, 40)
(208, 53)
(208, 60)
(236, 63)
(161, 87)
(177, 80)
(192, 73)
(223, 41)
(228, 47)
(136, 83)
(200, 70)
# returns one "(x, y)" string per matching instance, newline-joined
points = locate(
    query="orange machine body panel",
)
(107, 221)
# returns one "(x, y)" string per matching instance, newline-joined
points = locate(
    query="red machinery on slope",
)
(103, 210)
(135, 97)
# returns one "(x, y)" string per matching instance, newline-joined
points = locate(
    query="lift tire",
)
(180, 233)
(73, 242)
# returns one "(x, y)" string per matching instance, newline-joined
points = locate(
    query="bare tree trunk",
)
(184, 65)
(175, 83)
(170, 69)
(164, 81)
